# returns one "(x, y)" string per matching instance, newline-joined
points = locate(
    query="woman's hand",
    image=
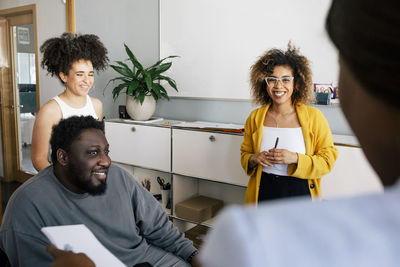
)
(281, 156)
(260, 158)
(67, 258)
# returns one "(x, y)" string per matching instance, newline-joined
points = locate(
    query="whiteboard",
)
(219, 40)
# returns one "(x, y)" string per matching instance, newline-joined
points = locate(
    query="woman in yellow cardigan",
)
(287, 144)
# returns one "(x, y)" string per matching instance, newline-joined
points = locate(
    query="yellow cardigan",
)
(320, 154)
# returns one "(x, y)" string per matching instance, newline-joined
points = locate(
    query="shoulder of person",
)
(96, 101)
(312, 112)
(32, 190)
(49, 113)
(260, 110)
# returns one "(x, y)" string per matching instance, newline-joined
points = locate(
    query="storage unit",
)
(207, 163)
(147, 146)
(198, 162)
(209, 155)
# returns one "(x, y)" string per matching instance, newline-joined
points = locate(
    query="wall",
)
(141, 33)
(133, 22)
(218, 41)
(136, 22)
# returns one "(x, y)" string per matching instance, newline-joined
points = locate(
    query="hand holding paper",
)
(81, 239)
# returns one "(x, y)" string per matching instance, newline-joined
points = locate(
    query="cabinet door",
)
(351, 175)
(140, 145)
(208, 155)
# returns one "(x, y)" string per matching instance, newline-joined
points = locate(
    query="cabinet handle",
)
(133, 129)
(212, 138)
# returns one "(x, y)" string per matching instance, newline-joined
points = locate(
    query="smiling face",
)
(281, 92)
(87, 162)
(80, 77)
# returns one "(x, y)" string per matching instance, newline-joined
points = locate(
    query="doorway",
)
(19, 92)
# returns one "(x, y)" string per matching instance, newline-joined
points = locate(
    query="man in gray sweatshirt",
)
(83, 187)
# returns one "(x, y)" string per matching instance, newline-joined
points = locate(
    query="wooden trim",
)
(7, 132)
(70, 12)
(13, 119)
(15, 11)
(37, 66)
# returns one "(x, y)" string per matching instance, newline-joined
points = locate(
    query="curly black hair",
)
(60, 53)
(372, 55)
(68, 130)
(272, 58)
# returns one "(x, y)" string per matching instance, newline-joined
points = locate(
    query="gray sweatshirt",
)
(127, 220)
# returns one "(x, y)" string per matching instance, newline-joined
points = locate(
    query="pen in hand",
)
(276, 142)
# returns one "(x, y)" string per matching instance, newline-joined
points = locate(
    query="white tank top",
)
(68, 111)
(289, 138)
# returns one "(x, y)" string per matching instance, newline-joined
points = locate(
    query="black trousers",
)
(274, 186)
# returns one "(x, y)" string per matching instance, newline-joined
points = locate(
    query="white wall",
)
(218, 41)
(134, 22)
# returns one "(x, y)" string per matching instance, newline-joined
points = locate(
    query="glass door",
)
(19, 91)
(25, 88)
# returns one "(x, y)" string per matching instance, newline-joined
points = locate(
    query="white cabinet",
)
(208, 155)
(140, 145)
(352, 175)
(203, 162)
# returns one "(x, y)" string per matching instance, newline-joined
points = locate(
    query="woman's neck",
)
(75, 101)
(282, 109)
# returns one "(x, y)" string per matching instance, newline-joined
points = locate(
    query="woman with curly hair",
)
(287, 144)
(72, 58)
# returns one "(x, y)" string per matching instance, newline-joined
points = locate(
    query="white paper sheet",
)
(216, 125)
(81, 239)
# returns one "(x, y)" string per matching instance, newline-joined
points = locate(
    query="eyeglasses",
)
(273, 81)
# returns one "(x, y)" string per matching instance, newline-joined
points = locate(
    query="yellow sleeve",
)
(247, 147)
(323, 155)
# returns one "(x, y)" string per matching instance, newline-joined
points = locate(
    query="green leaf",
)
(122, 70)
(132, 57)
(148, 81)
(162, 68)
(141, 97)
(171, 82)
(154, 95)
(116, 91)
(160, 61)
(156, 89)
(126, 67)
(132, 87)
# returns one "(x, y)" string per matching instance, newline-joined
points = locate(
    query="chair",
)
(4, 260)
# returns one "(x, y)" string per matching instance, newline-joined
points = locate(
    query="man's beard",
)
(86, 184)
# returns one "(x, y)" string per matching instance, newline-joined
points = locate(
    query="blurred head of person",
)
(367, 35)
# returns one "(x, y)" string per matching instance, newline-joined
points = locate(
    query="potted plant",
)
(141, 85)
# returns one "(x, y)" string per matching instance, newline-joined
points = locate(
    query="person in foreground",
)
(83, 187)
(287, 144)
(72, 58)
(359, 231)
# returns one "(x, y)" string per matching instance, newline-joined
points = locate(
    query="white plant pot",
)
(140, 112)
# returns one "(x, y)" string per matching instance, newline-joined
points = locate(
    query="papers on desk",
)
(225, 127)
(81, 239)
(151, 120)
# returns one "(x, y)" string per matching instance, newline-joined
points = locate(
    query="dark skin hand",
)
(64, 258)
(195, 261)
(272, 157)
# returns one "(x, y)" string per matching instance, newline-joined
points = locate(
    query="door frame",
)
(8, 116)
